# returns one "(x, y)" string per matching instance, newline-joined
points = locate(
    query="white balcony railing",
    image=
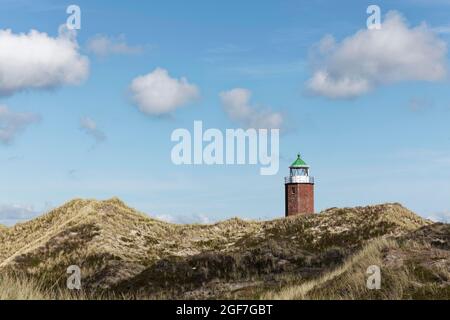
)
(299, 179)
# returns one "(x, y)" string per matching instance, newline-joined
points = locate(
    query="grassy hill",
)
(416, 266)
(124, 253)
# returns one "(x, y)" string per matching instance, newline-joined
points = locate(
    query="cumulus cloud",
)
(371, 58)
(12, 214)
(236, 103)
(157, 93)
(89, 126)
(440, 217)
(35, 60)
(102, 45)
(185, 219)
(12, 123)
(442, 30)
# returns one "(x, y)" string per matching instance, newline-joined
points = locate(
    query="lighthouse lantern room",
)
(299, 189)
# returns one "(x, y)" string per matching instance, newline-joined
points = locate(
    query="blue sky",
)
(88, 138)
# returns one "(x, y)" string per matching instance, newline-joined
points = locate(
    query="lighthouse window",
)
(293, 190)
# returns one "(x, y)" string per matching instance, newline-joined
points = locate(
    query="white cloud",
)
(102, 45)
(371, 58)
(236, 103)
(157, 93)
(440, 217)
(89, 126)
(12, 123)
(12, 214)
(442, 30)
(38, 61)
(185, 219)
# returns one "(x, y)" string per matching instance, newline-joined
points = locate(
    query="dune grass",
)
(125, 254)
(21, 287)
(351, 277)
(408, 278)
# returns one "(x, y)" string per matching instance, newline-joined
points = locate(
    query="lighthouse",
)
(299, 189)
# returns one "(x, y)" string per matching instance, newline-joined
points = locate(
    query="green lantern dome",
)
(299, 163)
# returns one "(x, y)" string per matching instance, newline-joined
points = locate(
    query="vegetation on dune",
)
(411, 269)
(20, 287)
(124, 253)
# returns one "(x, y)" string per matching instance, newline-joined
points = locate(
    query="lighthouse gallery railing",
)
(299, 179)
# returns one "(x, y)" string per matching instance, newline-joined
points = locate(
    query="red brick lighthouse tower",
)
(299, 190)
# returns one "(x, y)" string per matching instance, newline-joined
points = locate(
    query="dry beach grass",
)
(126, 254)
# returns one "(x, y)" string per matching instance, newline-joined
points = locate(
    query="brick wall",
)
(299, 199)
